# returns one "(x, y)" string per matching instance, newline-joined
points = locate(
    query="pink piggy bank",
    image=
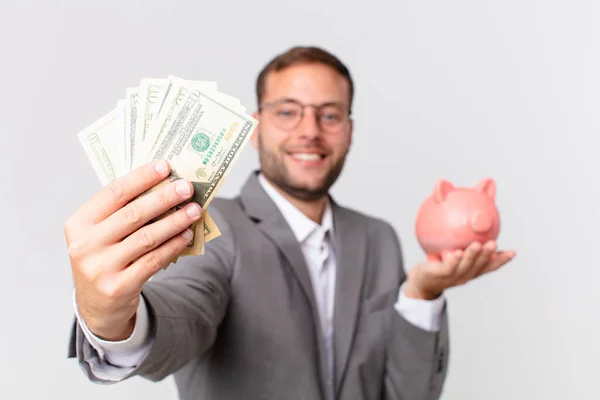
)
(452, 217)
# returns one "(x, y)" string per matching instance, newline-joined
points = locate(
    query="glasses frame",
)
(303, 106)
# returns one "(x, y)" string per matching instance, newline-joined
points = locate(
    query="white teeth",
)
(306, 156)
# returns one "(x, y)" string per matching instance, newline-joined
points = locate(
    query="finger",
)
(447, 268)
(119, 192)
(483, 260)
(150, 263)
(500, 259)
(142, 210)
(154, 235)
(467, 261)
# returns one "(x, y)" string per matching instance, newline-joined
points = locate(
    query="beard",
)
(274, 169)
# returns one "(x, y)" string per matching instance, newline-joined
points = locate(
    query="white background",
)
(454, 90)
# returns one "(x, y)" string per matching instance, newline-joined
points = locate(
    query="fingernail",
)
(161, 167)
(182, 188)
(187, 234)
(193, 211)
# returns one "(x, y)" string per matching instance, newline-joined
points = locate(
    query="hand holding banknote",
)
(114, 248)
(199, 130)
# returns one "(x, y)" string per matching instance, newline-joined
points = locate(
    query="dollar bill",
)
(202, 141)
(211, 231)
(162, 99)
(172, 101)
(100, 142)
(152, 95)
(132, 95)
(143, 105)
(150, 99)
(230, 101)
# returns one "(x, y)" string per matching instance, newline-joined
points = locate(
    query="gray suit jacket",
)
(240, 322)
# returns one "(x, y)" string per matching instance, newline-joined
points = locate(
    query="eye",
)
(331, 117)
(331, 114)
(286, 112)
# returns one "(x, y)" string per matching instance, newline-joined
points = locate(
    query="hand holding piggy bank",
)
(452, 218)
(457, 227)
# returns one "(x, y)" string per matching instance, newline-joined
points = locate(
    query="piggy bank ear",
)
(441, 190)
(487, 186)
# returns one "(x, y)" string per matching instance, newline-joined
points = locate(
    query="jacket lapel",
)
(259, 206)
(351, 242)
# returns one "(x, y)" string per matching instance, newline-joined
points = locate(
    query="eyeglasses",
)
(288, 113)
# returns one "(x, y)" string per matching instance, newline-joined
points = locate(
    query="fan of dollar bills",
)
(199, 130)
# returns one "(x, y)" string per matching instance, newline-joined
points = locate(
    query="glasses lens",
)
(287, 114)
(332, 117)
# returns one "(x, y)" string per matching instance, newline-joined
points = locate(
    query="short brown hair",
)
(302, 55)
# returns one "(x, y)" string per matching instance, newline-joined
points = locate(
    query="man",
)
(299, 298)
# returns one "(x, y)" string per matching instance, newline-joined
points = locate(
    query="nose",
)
(309, 126)
(481, 222)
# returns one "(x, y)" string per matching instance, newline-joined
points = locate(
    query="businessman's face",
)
(305, 131)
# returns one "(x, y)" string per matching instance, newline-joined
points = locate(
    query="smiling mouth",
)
(307, 156)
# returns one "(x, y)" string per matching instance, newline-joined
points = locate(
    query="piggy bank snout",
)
(481, 222)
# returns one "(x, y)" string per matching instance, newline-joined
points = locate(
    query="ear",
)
(254, 137)
(441, 190)
(350, 132)
(487, 186)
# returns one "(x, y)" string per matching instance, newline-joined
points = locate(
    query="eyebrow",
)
(327, 103)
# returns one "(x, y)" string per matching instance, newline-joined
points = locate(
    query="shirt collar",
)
(301, 225)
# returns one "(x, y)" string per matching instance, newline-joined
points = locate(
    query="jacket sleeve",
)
(416, 358)
(185, 304)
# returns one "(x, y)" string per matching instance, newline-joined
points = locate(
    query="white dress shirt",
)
(319, 252)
